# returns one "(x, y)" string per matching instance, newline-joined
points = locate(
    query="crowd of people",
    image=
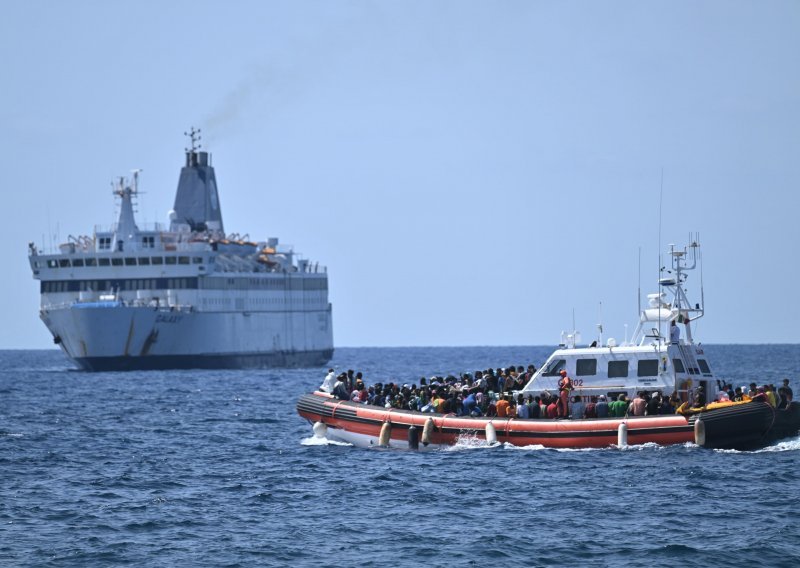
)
(494, 392)
(777, 397)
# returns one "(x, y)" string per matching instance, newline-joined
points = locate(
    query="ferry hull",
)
(121, 338)
(233, 361)
(362, 425)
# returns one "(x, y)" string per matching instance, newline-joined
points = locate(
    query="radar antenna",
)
(194, 137)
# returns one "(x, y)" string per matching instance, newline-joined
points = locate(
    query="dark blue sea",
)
(215, 468)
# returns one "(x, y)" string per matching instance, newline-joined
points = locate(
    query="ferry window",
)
(52, 264)
(148, 242)
(678, 364)
(585, 367)
(617, 369)
(104, 243)
(647, 368)
(704, 366)
(130, 261)
(77, 262)
(116, 262)
(158, 260)
(554, 368)
(197, 259)
(91, 262)
(170, 260)
(183, 260)
(144, 260)
(63, 262)
(104, 262)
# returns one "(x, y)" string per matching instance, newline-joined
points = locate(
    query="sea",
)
(215, 468)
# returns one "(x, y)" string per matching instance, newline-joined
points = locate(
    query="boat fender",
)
(320, 430)
(413, 438)
(427, 431)
(622, 435)
(386, 433)
(491, 433)
(700, 432)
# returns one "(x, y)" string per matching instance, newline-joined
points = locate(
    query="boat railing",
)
(688, 359)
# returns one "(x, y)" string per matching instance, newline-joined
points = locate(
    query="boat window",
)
(104, 243)
(647, 368)
(63, 262)
(130, 261)
(585, 367)
(144, 260)
(678, 364)
(170, 260)
(704, 366)
(158, 260)
(149, 242)
(116, 262)
(197, 259)
(91, 262)
(617, 369)
(52, 264)
(104, 261)
(554, 368)
(183, 260)
(77, 262)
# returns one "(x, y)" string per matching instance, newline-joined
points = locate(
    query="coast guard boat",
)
(658, 358)
(182, 296)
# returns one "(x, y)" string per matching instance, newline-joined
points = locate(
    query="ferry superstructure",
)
(186, 295)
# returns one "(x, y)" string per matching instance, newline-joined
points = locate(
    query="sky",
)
(471, 173)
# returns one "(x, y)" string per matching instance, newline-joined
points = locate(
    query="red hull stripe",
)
(359, 419)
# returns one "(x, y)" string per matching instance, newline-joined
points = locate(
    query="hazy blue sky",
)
(470, 172)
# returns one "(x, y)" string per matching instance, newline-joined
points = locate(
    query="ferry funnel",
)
(196, 200)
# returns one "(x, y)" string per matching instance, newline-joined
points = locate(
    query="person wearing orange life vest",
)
(564, 388)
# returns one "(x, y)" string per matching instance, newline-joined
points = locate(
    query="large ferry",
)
(660, 359)
(183, 296)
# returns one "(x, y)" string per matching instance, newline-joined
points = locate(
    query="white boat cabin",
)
(662, 355)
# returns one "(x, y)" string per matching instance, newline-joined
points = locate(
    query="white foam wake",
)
(316, 441)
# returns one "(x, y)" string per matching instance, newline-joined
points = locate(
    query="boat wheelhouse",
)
(661, 356)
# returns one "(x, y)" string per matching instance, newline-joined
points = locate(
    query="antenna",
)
(639, 290)
(194, 137)
(660, 204)
(573, 320)
(600, 323)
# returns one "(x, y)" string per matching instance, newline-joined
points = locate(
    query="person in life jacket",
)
(564, 388)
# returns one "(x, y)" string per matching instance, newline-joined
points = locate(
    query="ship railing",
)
(143, 227)
(688, 358)
(134, 303)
